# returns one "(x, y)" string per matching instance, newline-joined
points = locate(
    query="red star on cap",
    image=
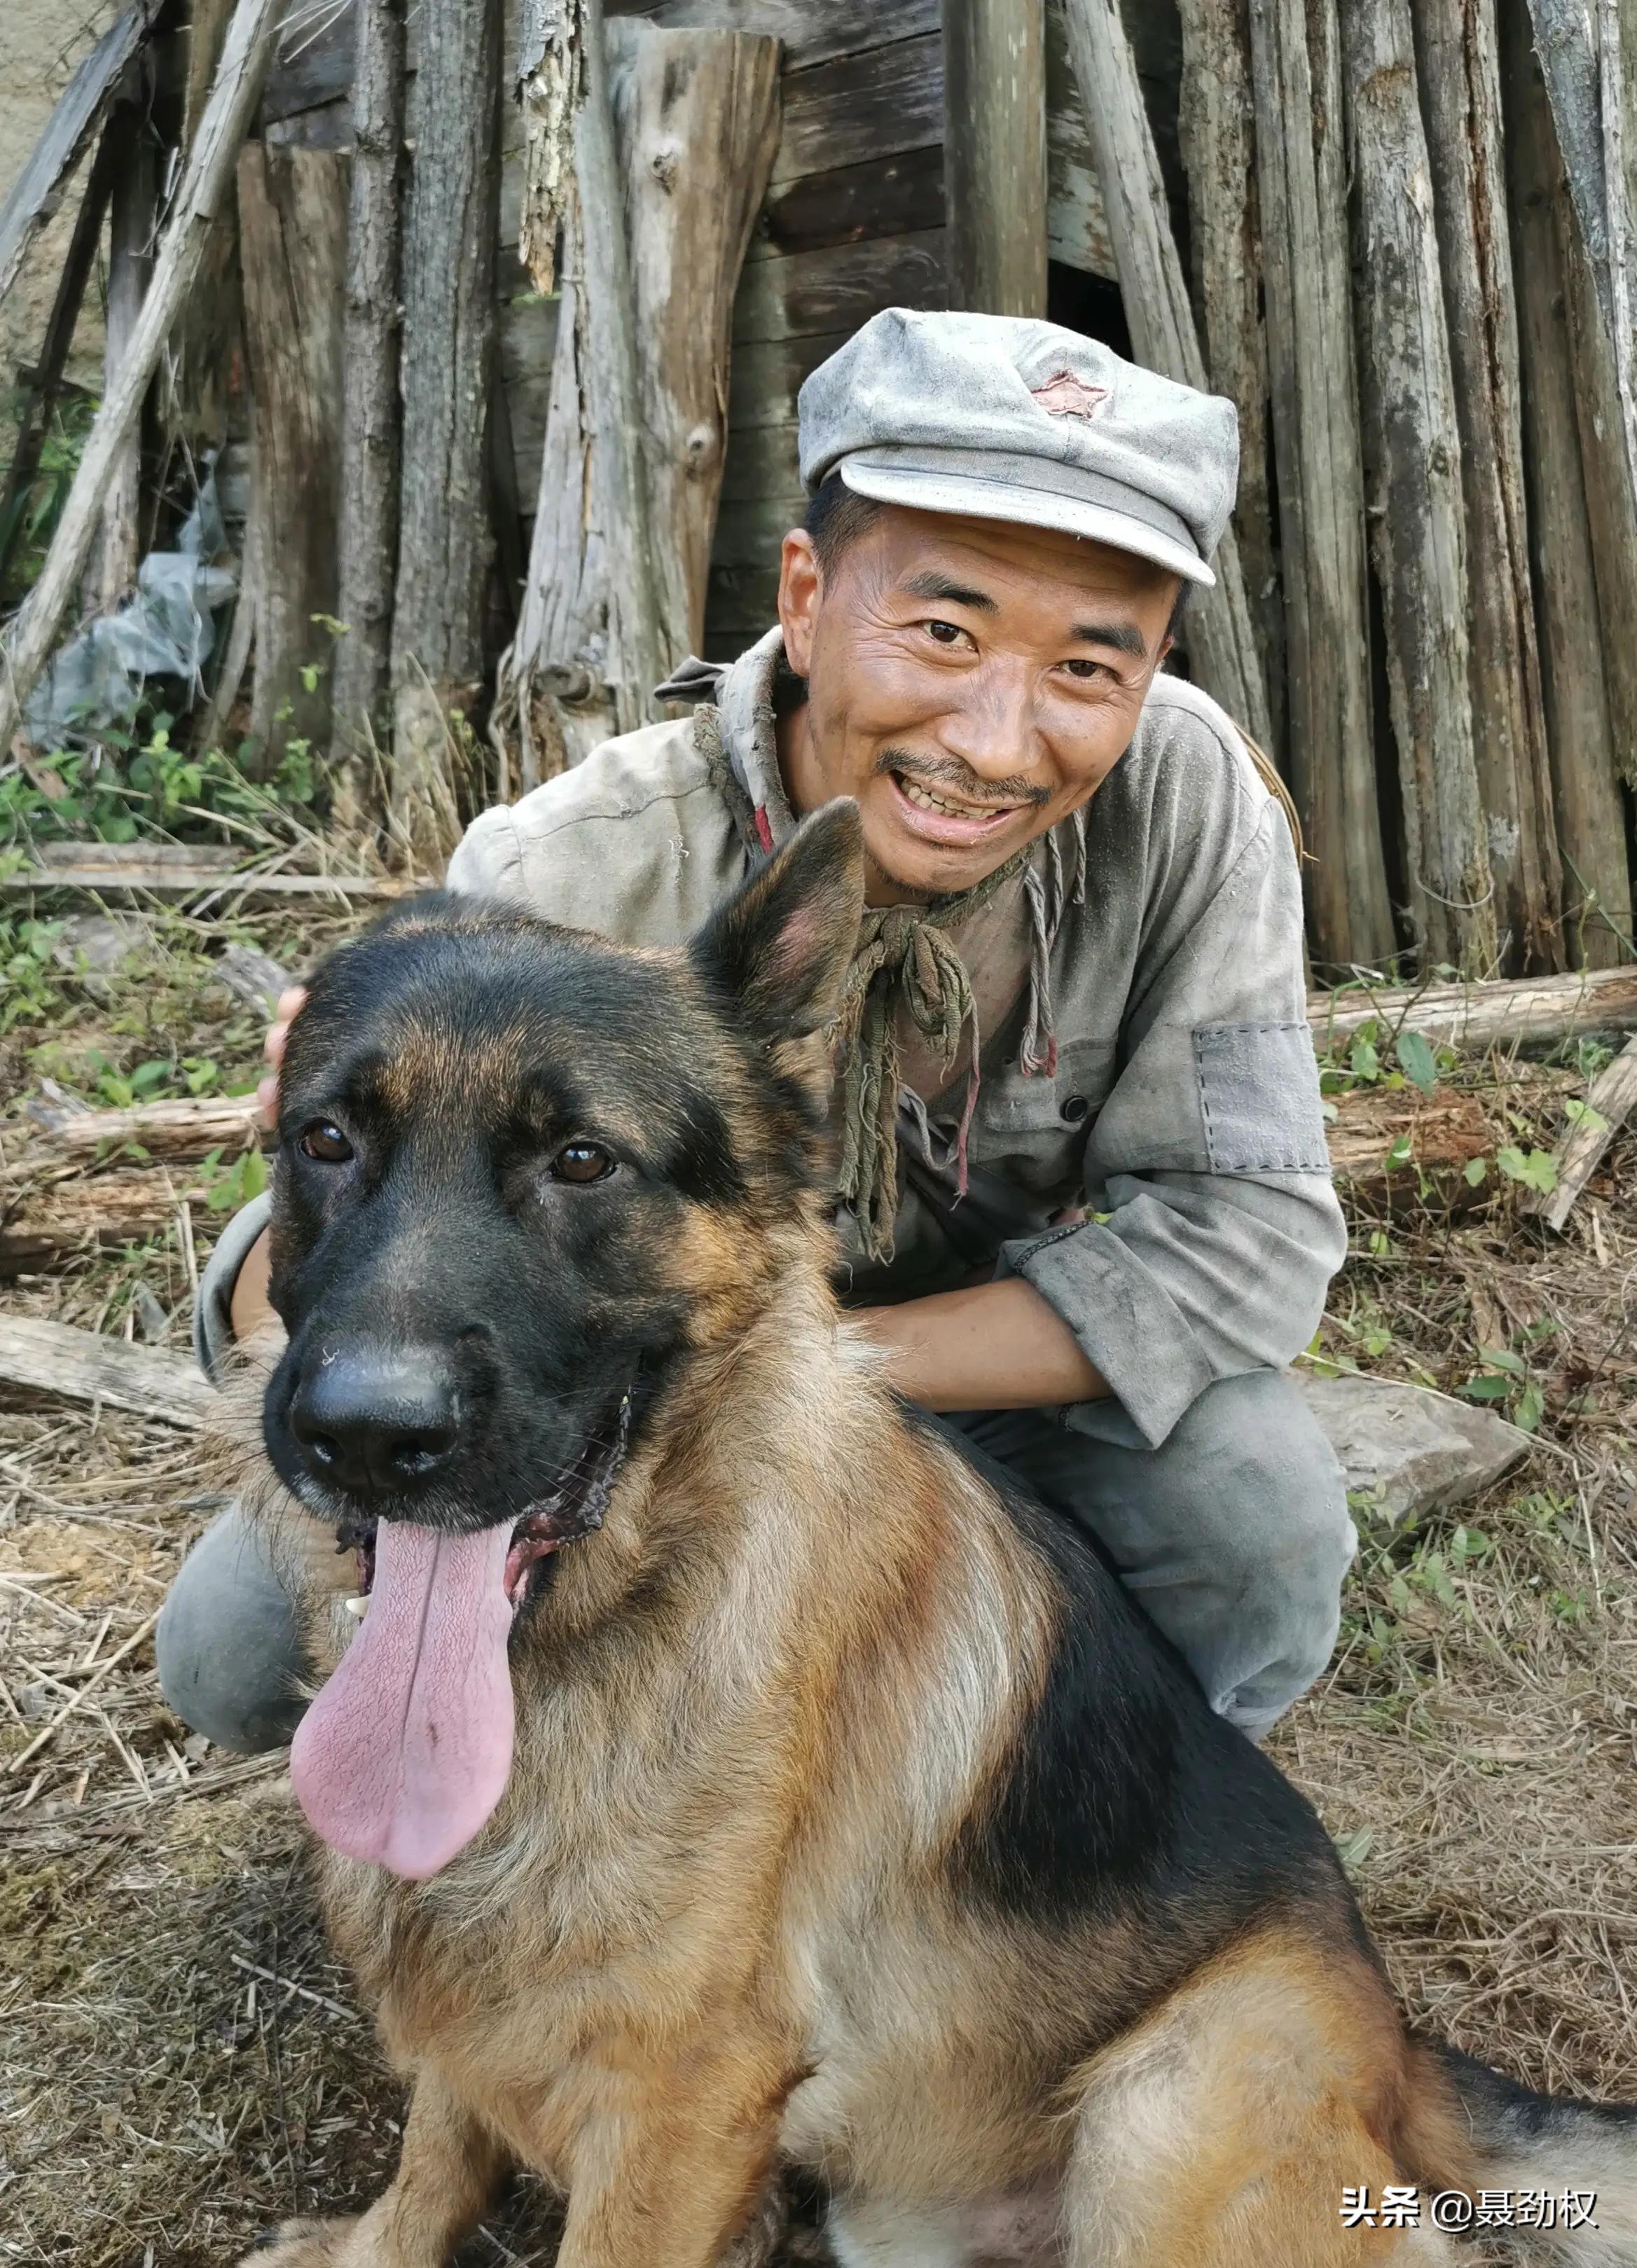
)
(1064, 395)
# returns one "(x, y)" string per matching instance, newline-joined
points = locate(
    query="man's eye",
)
(324, 1140)
(946, 633)
(580, 1162)
(1087, 672)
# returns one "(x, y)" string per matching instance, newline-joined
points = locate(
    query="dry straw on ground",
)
(180, 2060)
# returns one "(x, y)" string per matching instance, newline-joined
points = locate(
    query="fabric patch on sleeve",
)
(1259, 1096)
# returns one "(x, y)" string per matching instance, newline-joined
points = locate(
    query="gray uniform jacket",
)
(1183, 1112)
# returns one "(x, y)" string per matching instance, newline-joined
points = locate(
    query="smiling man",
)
(1083, 1196)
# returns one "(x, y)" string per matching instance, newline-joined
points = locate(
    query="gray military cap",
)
(1007, 418)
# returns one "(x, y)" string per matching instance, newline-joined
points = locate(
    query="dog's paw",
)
(302, 2244)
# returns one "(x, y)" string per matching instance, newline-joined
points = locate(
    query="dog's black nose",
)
(379, 1423)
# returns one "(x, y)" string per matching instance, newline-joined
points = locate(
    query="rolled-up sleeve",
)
(1219, 1229)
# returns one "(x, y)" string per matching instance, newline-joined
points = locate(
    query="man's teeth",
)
(928, 801)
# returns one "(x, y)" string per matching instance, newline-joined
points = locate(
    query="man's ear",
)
(777, 952)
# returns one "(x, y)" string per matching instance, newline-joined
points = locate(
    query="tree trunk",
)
(589, 648)
(370, 403)
(445, 544)
(1413, 460)
(133, 215)
(1222, 642)
(1218, 130)
(292, 220)
(550, 86)
(1303, 186)
(1460, 73)
(995, 154)
(1591, 817)
(696, 118)
(205, 180)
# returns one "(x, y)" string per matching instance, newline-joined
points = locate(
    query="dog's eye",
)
(324, 1140)
(581, 1161)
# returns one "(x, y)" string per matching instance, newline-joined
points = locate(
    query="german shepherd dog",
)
(725, 1774)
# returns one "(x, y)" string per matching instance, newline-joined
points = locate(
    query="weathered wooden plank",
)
(313, 65)
(81, 1366)
(767, 378)
(37, 192)
(750, 532)
(1610, 1101)
(1296, 70)
(862, 107)
(887, 196)
(133, 214)
(743, 603)
(763, 460)
(839, 287)
(994, 69)
(526, 342)
(1413, 474)
(1077, 224)
(1460, 75)
(808, 33)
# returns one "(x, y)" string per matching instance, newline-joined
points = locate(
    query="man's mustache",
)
(961, 779)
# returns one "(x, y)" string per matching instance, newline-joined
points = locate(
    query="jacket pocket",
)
(1018, 1102)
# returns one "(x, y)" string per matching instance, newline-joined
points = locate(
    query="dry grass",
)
(182, 2062)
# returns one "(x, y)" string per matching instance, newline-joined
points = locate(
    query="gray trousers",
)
(1234, 1534)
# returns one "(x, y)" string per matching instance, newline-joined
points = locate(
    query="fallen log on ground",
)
(182, 871)
(83, 1366)
(1392, 1144)
(82, 1213)
(1529, 1010)
(1610, 1101)
(185, 1128)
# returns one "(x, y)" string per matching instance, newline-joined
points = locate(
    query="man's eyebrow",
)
(934, 586)
(1125, 637)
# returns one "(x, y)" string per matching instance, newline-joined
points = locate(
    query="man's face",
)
(969, 682)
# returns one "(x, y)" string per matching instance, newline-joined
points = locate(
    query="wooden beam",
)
(1296, 74)
(1610, 1101)
(37, 192)
(184, 1128)
(83, 1367)
(1413, 467)
(206, 182)
(111, 572)
(994, 73)
(1525, 1012)
(1220, 639)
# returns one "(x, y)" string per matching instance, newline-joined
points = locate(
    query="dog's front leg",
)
(669, 2174)
(447, 2173)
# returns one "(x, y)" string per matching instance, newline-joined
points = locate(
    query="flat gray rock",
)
(1413, 1450)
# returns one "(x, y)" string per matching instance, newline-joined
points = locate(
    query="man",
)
(1084, 1199)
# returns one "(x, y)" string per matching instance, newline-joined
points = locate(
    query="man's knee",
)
(226, 1644)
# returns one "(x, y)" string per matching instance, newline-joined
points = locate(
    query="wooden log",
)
(83, 1367)
(696, 118)
(1218, 134)
(445, 544)
(551, 84)
(1077, 220)
(205, 179)
(192, 874)
(38, 190)
(1222, 642)
(1523, 1012)
(1458, 59)
(994, 136)
(1610, 1101)
(188, 1127)
(1319, 470)
(1412, 469)
(58, 1220)
(111, 571)
(589, 645)
(1393, 1146)
(1581, 728)
(293, 222)
(367, 540)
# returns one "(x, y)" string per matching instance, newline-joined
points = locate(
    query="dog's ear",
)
(777, 951)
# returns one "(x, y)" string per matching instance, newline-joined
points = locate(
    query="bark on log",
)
(550, 86)
(589, 647)
(83, 1367)
(1458, 58)
(696, 118)
(1610, 1101)
(293, 222)
(1218, 134)
(1526, 1011)
(448, 339)
(1412, 471)
(1581, 727)
(1301, 183)
(994, 59)
(1222, 642)
(1444, 1132)
(111, 573)
(185, 1128)
(370, 404)
(205, 179)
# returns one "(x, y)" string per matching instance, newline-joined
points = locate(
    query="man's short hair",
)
(837, 516)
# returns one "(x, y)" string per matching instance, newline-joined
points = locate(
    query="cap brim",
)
(970, 496)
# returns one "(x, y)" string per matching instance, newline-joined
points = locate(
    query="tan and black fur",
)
(858, 1822)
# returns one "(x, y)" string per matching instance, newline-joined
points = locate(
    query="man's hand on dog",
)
(290, 1005)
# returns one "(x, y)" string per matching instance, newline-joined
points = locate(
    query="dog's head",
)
(521, 1174)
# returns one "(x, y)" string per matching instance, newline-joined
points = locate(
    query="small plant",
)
(1506, 1377)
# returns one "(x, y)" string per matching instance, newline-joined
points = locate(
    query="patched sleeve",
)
(1208, 1161)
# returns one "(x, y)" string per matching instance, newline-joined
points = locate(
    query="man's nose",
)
(992, 726)
(378, 1422)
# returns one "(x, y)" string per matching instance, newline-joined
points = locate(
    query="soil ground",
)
(180, 2060)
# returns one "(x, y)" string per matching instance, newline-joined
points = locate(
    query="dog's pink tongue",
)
(406, 1751)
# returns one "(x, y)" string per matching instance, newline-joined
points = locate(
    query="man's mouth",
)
(939, 816)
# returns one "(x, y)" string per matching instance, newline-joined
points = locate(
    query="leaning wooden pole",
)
(1222, 642)
(994, 55)
(1412, 462)
(133, 210)
(206, 180)
(371, 416)
(1302, 180)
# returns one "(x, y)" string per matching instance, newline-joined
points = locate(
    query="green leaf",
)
(1365, 1063)
(1491, 1389)
(1399, 1154)
(1417, 1061)
(1536, 1169)
(1582, 1114)
(1475, 1172)
(1531, 1406)
(1503, 1359)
